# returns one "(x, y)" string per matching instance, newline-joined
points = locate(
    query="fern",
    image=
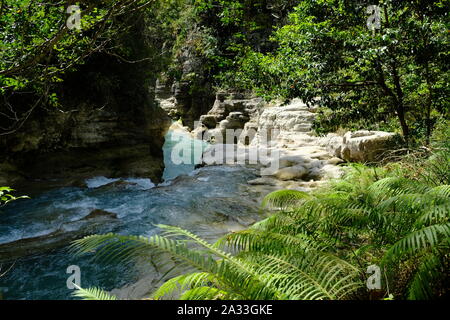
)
(92, 294)
(418, 240)
(284, 199)
(182, 283)
(429, 272)
(315, 246)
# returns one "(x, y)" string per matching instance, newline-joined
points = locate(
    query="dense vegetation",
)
(392, 76)
(397, 70)
(363, 76)
(319, 245)
(49, 63)
(313, 246)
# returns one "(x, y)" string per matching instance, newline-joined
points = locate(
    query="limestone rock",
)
(291, 160)
(237, 109)
(296, 117)
(268, 181)
(361, 146)
(209, 121)
(335, 161)
(291, 173)
(88, 142)
(331, 172)
(249, 133)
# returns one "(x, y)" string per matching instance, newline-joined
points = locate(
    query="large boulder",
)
(361, 146)
(249, 133)
(295, 117)
(209, 121)
(291, 173)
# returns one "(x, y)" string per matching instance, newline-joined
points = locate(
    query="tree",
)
(39, 47)
(328, 56)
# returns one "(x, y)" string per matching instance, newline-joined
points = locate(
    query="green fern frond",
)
(176, 231)
(92, 294)
(433, 268)
(307, 276)
(416, 241)
(440, 191)
(267, 242)
(112, 247)
(182, 283)
(284, 199)
(233, 273)
(434, 214)
(205, 293)
(394, 186)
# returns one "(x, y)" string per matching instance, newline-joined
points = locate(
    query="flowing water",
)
(35, 234)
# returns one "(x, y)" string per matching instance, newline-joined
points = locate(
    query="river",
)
(35, 233)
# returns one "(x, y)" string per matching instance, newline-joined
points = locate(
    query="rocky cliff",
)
(107, 123)
(86, 142)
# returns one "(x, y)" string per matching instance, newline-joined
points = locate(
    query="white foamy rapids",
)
(99, 181)
(144, 184)
(24, 233)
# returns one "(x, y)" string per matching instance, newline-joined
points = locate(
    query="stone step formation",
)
(304, 160)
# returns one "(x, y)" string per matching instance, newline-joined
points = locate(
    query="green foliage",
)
(6, 197)
(315, 246)
(362, 78)
(92, 294)
(312, 275)
(38, 50)
(283, 199)
(432, 164)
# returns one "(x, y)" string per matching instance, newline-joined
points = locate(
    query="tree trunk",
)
(398, 96)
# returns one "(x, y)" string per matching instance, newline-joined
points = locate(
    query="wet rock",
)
(33, 245)
(58, 238)
(291, 160)
(264, 181)
(78, 183)
(98, 213)
(291, 173)
(53, 240)
(116, 184)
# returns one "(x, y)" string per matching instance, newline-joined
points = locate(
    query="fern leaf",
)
(92, 294)
(284, 199)
(421, 239)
